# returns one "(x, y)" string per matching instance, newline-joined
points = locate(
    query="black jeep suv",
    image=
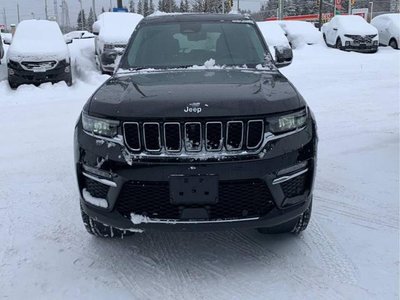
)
(197, 130)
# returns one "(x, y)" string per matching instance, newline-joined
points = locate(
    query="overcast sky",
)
(29, 8)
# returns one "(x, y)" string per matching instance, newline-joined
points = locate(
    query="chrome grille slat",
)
(232, 127)
(169, 140)
(194, 137)
(212, 137)
(192, 145)
(152, 141)
(252, 141)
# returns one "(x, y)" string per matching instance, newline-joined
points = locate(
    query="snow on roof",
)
(273, 34)
(38, 40)
(117, 27)
(300, 33)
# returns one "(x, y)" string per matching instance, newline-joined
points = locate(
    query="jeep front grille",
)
(192, 137)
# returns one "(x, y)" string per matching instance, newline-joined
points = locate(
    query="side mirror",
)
(68, 41)
(283, 56)
(334, 28)
(95, 33)
(7, 40)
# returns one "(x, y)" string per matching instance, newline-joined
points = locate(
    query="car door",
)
(331, 33)
(384, 32)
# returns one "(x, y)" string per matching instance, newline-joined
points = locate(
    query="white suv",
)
(113, 31)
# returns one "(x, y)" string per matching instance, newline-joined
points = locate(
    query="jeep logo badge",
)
(195, 110)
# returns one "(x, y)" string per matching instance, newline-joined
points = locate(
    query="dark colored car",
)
(38, 53)
(197, 130)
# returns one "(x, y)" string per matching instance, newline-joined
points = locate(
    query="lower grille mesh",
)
(96, 189)
(237, 199)
(295, 186)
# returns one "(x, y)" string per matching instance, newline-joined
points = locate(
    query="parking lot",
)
(349, 251)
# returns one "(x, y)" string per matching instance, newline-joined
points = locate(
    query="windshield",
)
(185, 44)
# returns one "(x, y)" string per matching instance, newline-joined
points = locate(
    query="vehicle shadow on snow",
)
(219, 253)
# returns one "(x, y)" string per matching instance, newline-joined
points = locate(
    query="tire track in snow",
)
(329, 205)
(336, 263)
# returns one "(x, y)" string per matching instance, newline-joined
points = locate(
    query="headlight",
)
(288, 122)
(108, 46)
(108, 128)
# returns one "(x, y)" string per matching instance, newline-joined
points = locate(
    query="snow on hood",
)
(117, 27)
(355, 25)
(38, 40)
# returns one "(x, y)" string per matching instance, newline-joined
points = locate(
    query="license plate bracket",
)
(193, 190)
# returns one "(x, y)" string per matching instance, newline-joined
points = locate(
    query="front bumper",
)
(283, 159)
(350, 45)
(20, 76)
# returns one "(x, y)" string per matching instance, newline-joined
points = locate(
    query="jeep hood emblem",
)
(193, 108)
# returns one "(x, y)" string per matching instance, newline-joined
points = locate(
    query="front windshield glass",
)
(185, 44)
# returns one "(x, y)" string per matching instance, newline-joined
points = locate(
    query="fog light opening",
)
(99, 202)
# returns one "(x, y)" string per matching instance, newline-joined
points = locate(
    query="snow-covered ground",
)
(349, 251)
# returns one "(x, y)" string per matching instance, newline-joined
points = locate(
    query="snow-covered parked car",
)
(388, 26)
(300, 33)
(79, 34)
(275, 38)
(351, 32)
(38, 53)
(113, 31)
(1, 48)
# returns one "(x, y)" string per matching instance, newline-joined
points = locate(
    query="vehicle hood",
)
(359, 29)
(26, 50)
(168, 94)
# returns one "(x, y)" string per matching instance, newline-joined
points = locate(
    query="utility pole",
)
(238, 5)
(223, 6)
(349, 7)
(372, 9)
(5, 17)
(94, 9)
(56, 10)
(18, 15)
(320, 15)
(46, 12)
(280, 7)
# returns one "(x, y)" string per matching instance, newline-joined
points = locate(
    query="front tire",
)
(13, 85)
(339, 44)
(294, 226)
(101, 230)
(69, 80)
(393, 44)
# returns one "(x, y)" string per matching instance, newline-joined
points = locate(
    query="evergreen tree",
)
(81, 22)
(145, 8)
(140, 8)
(151, 7)
(131, 6)
(90, 20)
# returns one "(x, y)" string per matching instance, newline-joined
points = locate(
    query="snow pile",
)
(301, 33)
(138, 219)
(273, 35)
(79, 34)
(354, 25)
(117, 27)
(38, 40)
(100, 202)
